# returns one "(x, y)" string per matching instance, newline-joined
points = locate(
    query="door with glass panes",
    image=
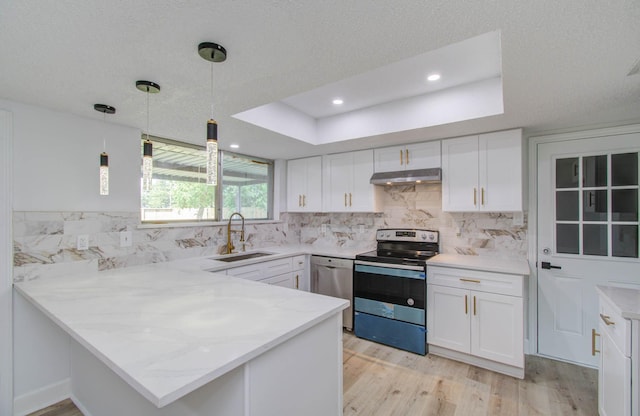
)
(587, 236)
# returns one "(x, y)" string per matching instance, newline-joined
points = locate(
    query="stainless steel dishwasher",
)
(334, 277)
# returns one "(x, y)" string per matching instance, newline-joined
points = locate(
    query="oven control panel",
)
(397, 234)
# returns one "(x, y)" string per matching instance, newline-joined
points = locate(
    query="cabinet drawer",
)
(618, 328)
(276, 267)
(299, 262)
(284, 280)
(251, 272)
(499, 283)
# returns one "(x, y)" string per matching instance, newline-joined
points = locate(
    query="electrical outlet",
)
(82, 242)
(125, 238)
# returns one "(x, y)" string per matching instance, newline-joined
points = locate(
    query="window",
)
(179, 192)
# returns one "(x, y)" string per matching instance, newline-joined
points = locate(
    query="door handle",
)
(594, 334)
(349, 198)
(474, 306)
(299, 200)
(304, 200)
(406, 156)
(466, 305)
(400, 156)
(548, 266)
(475, 197)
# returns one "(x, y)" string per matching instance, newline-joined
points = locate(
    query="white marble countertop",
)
(485, 263)
(167, 329)
(625, 300)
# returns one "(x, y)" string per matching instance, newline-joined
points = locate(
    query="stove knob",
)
(410, 302)
(423, 236)
(432, 237)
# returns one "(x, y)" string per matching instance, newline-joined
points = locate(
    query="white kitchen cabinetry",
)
(300, 272)
(304, 185)
(275, 272)
(409, 157)
(615, 378)
(483, 173)
(346, 185)
(477, 317)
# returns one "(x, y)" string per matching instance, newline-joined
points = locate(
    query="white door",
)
(338, 175)
(389, 159)
(361, 195)
(460, 174)
(422, 155)
(587, 236)
(500, 171)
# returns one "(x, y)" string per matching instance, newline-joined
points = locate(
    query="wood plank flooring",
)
(384, 381)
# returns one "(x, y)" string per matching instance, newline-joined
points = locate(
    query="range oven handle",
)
(390, 266)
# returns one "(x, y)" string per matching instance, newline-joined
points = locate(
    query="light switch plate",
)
(82, 243)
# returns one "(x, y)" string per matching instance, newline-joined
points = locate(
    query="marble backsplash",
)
(45, 242)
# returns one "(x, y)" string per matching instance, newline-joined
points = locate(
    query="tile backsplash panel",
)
(45, 242)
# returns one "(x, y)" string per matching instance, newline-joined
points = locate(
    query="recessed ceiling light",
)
(234, 146)
(433, 77)
(338, 101)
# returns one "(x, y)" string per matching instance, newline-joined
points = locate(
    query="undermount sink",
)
(238, 257)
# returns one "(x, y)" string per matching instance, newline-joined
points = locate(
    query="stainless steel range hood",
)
(400, 177)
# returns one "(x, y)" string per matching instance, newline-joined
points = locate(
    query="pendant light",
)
(104, 157)
(212, 52)
(147, 148)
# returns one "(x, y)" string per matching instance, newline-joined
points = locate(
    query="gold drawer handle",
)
(607, 320)
(474, 306)
(470, 280)
(475, 197)
(594, 334)
(466, 305)
(401, 156)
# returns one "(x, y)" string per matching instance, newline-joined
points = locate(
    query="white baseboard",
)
(41, 398)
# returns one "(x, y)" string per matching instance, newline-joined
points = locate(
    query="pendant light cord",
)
(147, 113)
(212, 91)
(104, 137)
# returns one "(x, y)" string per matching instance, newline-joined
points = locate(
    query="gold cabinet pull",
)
(304, 200)
(482, 195)
(594, 334)
(607, 320)
(406, 156)
(297, 282)
(470, 280)
(299, 200)
(466, 305)
(475, 197)
(345, 199)
(474, 306)
(401, 156)
(350, 199)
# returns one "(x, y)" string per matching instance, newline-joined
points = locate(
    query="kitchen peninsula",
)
(164, 339)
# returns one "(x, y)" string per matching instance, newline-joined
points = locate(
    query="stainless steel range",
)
(390, 291)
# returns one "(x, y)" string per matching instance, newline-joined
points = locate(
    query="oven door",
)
(395, 284)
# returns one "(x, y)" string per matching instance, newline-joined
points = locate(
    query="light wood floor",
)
(384, 381)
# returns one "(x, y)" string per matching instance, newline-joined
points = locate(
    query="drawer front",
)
(500, 283)
(618, 328)
(299, 262)
(276, 267)
(251, 272)
(284, 280)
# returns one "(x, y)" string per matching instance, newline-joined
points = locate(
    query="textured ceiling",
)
(564, 63)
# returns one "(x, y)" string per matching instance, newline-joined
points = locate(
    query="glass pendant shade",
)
(147, 165)
(212, 152)
(104, 174)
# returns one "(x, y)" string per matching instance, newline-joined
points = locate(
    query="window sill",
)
(186, 224)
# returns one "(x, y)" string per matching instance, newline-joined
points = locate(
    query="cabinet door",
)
(338, 174)
(361, 195)
(422, 155)
(283, 280)
(497, 328)
(304, 185)
(460, 174)
(614, 379)
(296, 184)
(500, 171)
(448, 318)
(389, 159)
(312, 199)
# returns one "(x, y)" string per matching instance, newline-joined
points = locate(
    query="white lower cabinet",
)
(476, 317)
(615, 372)
(275, 272)
(300, 273)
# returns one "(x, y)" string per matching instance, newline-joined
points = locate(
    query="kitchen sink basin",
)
(238, 257)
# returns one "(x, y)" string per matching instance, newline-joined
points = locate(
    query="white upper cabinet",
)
(304, 185)
(346, 182)
(409, 157)
(483, 173)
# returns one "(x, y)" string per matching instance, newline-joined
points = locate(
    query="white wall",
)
(57, 160)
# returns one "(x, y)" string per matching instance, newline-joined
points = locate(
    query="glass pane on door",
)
(567, 173)
(568, 238)
(624, 169)
(594, 205)
(594, 240)
(624, 241)
(624, 205)
(594, 171)
(567, 206)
